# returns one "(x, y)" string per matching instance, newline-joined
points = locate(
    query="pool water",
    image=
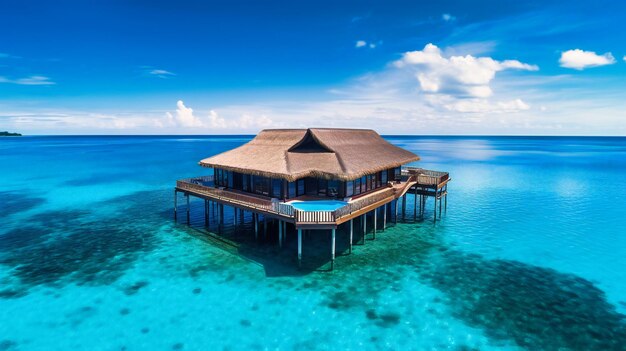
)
(318, 205)
(529, 256)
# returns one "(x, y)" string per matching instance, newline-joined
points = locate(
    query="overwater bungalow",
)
(317, 178)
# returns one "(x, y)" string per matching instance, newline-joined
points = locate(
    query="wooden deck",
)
(418, 181)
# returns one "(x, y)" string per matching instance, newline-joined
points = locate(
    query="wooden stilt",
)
(332, 250)
(375, 221)
(445, 199)
(299, 248)
(264, 228)
(280, 233)
(221, 214)
(175, 205)
(364, 227)
(415, 205)
(256, 225)
(435, 201)
(351, 233)
(403, 206)
(440, 203)
(206, 213)
(384, 217)
(395, 217)
(187, 195)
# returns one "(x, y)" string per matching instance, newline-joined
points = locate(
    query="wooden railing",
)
(363, 202)
(425, 177)
(314, 216)
(281, 208)
(284, 209)
(219, 194)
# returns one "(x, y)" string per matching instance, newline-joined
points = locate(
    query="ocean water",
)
(531, 254)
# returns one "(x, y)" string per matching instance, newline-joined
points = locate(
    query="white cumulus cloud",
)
(360, 43)
(184, 116)
(461, 76)
(580, 59)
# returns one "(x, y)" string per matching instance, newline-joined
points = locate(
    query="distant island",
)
(5, 133)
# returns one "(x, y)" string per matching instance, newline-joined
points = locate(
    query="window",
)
(357, 186)
(363, 184)
(322, 185)
(261, 185)
(397, 173)
(229, 179)
(246, 182)
(300, 187)
(291, 191)
(276, 185)
(349, 188)
(333, 188)
(383, 177)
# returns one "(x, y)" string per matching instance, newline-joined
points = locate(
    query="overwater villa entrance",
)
(315, 179)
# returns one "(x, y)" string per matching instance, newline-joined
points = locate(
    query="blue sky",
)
(228, 67)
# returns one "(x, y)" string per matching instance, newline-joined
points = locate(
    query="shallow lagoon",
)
(530, 254)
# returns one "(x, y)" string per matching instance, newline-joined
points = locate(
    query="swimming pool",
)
(318, 205)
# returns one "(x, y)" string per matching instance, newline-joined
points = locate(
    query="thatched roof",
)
(292, 154)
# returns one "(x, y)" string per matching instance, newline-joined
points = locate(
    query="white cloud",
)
(461, 76)
(184, 116)
(448, 17)
(31, 80)
(236, 122)
(216, 121)
(161, 73)
(580, 59)
(484, 106)
(363, 44)
(624, 58)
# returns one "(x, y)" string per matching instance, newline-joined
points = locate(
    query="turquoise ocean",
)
(530, 255)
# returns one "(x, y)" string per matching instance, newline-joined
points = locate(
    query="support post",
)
(404, 206)
(187, 195)
(264, 228)
(175, 205)
(221, 214)
(206, 212)
(440, 195)
(351, 233)
(445, 199)
(374, 231)
(435, 201)
(280, 233)
(364, 227)
(332, 250)
(299, 248)
(384, 217)
(415, 205)
(395, 218)
(256, 225)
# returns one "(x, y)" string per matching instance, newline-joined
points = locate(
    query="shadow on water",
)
(539, 308)
(17, 201)
(55, 248)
